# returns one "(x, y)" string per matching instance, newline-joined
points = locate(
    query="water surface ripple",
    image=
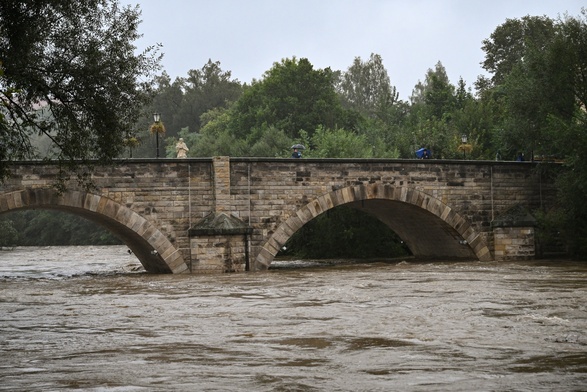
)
(87, 319)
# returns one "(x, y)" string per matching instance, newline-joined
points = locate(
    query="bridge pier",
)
(220, 242)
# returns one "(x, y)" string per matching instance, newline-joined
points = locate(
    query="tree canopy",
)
(509, 43)
(292, 96)
(366, 87)
(69, 72)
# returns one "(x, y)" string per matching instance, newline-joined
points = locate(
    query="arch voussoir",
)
(315, 208)
(347, 195)
(445, 212)
(72, 199)
(337, 198)
(91, 202)
(435, 206)
(360, 192)
(305, 214)
(325, 202)
(275, 243)
(291, 225)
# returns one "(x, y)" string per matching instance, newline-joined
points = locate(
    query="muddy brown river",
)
(89, 319)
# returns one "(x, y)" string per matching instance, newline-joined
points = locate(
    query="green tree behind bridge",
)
(76, 61)
(51, 228)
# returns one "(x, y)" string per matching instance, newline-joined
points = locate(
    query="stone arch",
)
(419, 204)
(155, 252)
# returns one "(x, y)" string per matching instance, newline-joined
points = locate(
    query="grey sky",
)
(248, 36)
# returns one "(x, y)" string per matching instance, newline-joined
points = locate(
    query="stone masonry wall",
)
(266, 193)
(514, 243)
(218, 253)
(174, 194)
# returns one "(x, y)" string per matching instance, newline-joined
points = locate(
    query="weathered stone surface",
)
(432, 205)
(220, 223)
(516, 216)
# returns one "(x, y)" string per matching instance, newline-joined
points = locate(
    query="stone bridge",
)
(226, 214)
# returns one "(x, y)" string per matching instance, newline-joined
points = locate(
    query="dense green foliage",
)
(47, 227)
(541, 91)
(292, 96)
(366, 87)
(344, 232)
(533, 103)
(69, 72)
(8, 234)
(183, 103)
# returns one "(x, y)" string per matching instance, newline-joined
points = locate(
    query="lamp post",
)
(157, 128)
(464, 140)
(131, 141)
(157, 118)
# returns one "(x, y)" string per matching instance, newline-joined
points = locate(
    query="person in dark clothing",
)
(296, 153)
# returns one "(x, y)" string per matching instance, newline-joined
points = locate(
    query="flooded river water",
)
(87, 319)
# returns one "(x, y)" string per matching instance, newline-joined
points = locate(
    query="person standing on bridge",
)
(296, 150)
(181, 148)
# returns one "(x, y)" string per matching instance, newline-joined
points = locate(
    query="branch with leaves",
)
(70, 73)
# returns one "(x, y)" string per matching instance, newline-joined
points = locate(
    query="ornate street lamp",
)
(157, 127)
(465, 146)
